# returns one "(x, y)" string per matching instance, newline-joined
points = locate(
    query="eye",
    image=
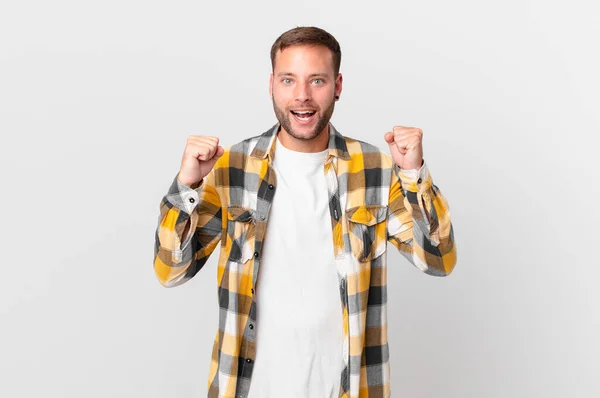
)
(318, 81)
(286, 80)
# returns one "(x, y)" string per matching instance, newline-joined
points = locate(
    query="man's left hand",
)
(406, 146)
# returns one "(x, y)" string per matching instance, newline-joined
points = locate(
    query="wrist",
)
(188, 183)
(414, 166)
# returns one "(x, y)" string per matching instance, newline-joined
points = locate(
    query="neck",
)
(317, 144)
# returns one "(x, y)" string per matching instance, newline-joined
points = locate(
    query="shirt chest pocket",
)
(367, 228)
(241, 231)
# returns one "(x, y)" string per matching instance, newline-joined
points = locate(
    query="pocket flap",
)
(367, 215)
(240, 213)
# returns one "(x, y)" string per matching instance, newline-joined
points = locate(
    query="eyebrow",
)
(280, 74)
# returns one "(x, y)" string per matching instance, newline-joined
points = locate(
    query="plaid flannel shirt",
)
(371, 200)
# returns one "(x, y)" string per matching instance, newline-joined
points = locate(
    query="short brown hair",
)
(308, 35)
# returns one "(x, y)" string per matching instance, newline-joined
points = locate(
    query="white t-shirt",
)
(299, 318)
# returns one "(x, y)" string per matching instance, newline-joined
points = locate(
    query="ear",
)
(271, 85)
(338, 84)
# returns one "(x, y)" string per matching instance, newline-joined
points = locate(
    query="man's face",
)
(303, 87)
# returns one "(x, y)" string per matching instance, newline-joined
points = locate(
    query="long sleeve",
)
(189, 229)
(419, 222)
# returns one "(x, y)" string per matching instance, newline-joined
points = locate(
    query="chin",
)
(304, 132)
(305, 137)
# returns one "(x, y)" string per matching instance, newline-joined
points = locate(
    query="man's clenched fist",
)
(406, 146)
(199, 158)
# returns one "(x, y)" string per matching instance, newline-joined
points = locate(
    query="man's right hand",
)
(199, 158)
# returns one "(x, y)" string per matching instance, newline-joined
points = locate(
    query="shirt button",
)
(251, 326)
(419, 181)
(271, 186)
(262, 217)
(255, 254)
(192, 200)
(252, 291)
(248, 360)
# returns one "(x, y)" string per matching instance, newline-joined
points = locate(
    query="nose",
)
(302, 93)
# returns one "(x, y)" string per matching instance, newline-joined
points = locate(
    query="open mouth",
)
(304, 116)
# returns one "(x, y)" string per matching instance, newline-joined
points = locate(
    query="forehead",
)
(304, 58)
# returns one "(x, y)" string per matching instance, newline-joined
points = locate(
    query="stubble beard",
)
(283, 115)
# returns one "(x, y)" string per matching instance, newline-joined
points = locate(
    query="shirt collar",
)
(265, 148)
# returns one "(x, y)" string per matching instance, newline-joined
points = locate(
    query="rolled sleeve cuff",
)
(414, 180)
(183, 197)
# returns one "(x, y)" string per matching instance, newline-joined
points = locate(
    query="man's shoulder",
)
(247, 145)
(238, 154)
(359, 149)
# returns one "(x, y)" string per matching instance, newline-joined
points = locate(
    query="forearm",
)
(420, 224)
(189, 228)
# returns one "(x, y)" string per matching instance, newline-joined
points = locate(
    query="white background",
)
(96, 102)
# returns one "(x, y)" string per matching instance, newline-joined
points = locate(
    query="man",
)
(303, 215)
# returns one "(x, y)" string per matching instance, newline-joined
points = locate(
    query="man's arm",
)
(189, 229)
(419, 221)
